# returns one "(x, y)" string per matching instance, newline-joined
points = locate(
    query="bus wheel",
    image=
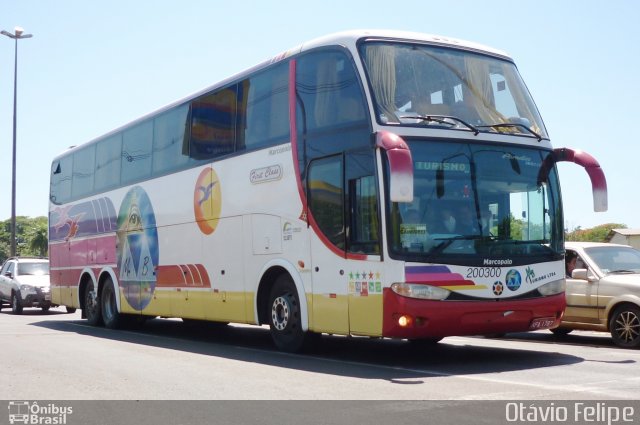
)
(560, 332)
(284, 316)
(70, 309)
(92, 306)
(425, 343)
(625, 326)
(110, 315)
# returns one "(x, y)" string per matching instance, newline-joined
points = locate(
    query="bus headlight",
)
(552, 288)
(424, 292)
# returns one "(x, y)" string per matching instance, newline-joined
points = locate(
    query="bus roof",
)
(345, 38)
(352, 37)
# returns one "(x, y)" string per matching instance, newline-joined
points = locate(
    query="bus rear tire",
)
(111, 317)
(92, 305)
(284, 316)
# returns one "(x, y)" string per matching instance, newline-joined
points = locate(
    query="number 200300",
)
(473, 272)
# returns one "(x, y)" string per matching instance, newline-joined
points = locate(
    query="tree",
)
(38, 240)
(595, 234)
(31, 237)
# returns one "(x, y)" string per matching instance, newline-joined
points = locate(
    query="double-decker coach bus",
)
(377, 184)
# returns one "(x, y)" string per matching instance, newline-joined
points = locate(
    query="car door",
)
(581, 294)
(3, 283)
(6, 281)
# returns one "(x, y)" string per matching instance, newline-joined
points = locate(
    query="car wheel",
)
(70, 309)
(92, 305)
(111, 317)
(625, 326)
(561, 331)
(284, 316)
(16, 303)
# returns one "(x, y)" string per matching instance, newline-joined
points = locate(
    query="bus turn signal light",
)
(405, 321)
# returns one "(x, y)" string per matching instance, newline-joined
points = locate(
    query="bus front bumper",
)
(414, 318)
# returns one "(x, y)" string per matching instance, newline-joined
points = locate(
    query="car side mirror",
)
(580, 274)
(584, 274)
(9, 275)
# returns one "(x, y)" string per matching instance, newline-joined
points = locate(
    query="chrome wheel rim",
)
(627, 326)
(280, 313)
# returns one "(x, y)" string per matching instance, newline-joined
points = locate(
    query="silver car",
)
(24, 282)
(603, 291)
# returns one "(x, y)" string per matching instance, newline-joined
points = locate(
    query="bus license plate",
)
(542, 323)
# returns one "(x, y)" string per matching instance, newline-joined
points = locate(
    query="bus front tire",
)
(425, 343)
(561, 332)
(285, 317)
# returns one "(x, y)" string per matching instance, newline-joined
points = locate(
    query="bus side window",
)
(326, 197)
(61, 173)
(329, 90)
(263, 110)
(83, 171)
(213, 119)
(137, 145)
(362, 213)
(169, 152)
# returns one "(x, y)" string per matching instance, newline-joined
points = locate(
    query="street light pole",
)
(17, 35)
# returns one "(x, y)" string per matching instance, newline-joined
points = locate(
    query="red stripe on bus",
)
(182, 276)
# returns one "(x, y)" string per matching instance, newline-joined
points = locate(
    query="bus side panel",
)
(365, 297)
(226, 300)
(330, 297)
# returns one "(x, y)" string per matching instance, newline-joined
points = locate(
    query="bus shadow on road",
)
(397, 361)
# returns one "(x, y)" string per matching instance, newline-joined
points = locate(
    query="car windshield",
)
(615, 259)
(33, 269)
(474, 200)
(426, 85)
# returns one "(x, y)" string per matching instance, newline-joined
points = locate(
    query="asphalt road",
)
(57, 356)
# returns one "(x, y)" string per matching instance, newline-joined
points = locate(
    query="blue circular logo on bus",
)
(513, 280)
(137, 248)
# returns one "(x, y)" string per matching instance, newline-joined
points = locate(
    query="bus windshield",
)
(424, 85)
(473, 201)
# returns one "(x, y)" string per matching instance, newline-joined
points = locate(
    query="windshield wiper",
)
(520, 242)
(512, 125)
(442, 119)
(448, 241)
(624, 272)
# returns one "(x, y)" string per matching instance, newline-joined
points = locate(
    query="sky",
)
(94, 66)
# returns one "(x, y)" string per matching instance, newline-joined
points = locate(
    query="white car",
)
(24, 282)
(603, 292)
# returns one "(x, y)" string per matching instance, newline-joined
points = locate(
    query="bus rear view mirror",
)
(400, 166)
(591, 166)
